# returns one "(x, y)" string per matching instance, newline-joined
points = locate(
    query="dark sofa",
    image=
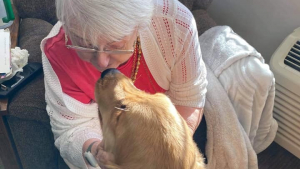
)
(27, 118)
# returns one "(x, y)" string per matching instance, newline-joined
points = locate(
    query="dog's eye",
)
(122, 107)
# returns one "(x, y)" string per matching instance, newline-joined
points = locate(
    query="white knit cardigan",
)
(172, 53)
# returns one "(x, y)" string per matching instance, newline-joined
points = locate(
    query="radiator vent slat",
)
(293, 57)
(293, 60)
(288, 96)
(287, 117)
(295, 51)
(286, 107)
(289, 137)
(288, 126)
(286, 111)
(297, 46)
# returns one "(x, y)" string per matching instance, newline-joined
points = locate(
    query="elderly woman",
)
(155, 43)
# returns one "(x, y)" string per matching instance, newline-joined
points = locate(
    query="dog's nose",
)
(109, 71)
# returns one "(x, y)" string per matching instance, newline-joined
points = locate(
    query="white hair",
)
(109, 19)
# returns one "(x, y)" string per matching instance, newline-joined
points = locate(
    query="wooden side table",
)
(7, 150)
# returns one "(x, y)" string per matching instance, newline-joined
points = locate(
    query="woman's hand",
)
(104, 158)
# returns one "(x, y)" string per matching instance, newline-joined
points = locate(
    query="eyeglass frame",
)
(91, 50)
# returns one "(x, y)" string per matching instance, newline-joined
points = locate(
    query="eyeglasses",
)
(93, 51)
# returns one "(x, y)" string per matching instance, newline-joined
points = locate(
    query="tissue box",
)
(5, 58)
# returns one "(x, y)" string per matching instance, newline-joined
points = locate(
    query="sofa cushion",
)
(203, 20)
(201, 4)
(41, 9)
(34, 143)
(31, 33)
(29, 103)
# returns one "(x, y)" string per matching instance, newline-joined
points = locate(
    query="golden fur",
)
(143, 131)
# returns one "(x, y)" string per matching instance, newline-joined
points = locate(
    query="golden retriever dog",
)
(141, 130)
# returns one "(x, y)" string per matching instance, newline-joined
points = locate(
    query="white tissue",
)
(19, 58)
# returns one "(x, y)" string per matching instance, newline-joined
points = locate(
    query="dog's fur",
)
(149, 133)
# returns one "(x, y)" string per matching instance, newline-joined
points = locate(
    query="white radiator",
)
(285, 64)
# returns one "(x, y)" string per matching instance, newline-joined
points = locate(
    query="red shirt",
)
(78, 78)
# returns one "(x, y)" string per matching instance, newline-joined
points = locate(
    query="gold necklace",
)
(136, 64)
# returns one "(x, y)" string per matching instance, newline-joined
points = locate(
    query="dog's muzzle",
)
(109, 71)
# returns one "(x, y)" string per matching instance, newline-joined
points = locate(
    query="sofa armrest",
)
(29, 102)
(32, 32)
(39, 9)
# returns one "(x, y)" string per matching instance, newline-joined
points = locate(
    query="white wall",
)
(263, 23)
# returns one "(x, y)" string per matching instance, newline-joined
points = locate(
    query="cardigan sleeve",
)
(188, 72)
(71, 128)
(72, 122)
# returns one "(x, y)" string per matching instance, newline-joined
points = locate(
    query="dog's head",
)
(124, 109)
(138, 126)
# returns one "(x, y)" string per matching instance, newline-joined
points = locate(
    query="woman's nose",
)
(102, 59)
